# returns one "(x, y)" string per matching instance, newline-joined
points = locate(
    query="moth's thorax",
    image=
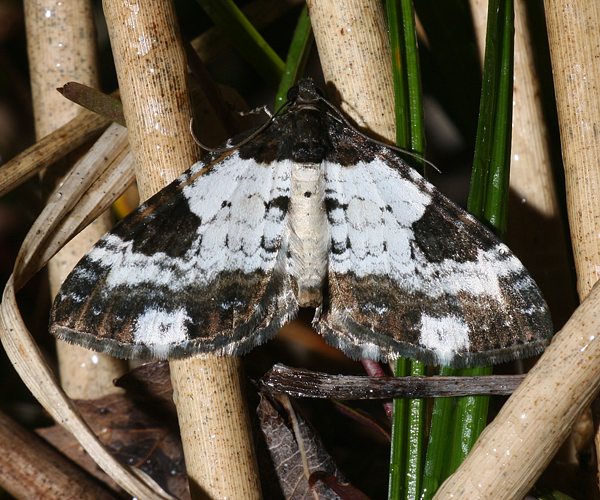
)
(308, 137)
(309, 233)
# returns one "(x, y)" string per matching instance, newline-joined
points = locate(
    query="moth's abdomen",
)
(309, 233)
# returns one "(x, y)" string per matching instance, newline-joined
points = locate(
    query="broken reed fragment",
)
(308, 213)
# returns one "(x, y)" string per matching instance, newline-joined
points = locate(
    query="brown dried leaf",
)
(134, 434)
(150, 381)
(302, 465)
(93, 99)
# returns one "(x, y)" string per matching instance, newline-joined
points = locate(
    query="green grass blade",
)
(296, 59)
(491, 162)
(469, 421)
(496, 206)
(396, 485)
(246, 39)
(416, 431)
(487, 201)
(488, 196)
(440, 441)
(399, 74)
(408, 425)
(413, 79)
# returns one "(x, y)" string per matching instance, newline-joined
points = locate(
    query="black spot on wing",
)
(332, 204)
(446, 232)
(269, 245)
(279, 202)
(164, 223)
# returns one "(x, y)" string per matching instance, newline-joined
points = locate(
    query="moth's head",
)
(305, 94)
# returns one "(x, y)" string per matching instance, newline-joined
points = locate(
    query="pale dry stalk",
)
(520, 442)
(355, 55)
(208, 393)
(536, 231)
(61, 48)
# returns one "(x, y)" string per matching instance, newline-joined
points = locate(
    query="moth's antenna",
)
(338, 115)
(230, 147)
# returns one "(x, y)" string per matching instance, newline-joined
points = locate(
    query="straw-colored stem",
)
(30, 468)
(151, 69)
(50, 149)
(516, 447)
(536, 231)
(61, 47)
(575, 50)
(355, 55)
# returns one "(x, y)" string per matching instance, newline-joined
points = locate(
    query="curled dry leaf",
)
(37, 248)
(302, 465)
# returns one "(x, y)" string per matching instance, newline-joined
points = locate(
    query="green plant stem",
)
(440, 440)
(399, 435)
(465, 418)
(296, 58)
(246, 39)
(398, 73)
(415, 441)
(413, 79)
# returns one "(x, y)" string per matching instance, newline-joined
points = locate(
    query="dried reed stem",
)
(30, 468)
(211, 408)
(355, 55)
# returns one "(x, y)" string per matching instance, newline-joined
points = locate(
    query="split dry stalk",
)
(61, 47)
(516, 447)
(151, 69)
(49, 149)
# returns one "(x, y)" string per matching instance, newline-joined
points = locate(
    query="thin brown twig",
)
(308, 384)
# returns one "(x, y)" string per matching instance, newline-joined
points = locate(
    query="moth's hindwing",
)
(412, 274)
(198, 268)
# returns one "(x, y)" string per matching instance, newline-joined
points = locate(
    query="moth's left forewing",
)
(197, 268)
(412, 274)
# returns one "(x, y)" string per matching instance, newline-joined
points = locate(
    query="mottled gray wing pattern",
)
(412, 274)
(197, 268)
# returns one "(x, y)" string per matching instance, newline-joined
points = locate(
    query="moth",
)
(307, 213)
